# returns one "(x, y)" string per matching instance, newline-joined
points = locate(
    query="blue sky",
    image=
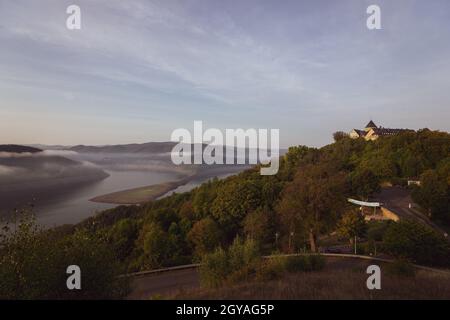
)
(137, 70)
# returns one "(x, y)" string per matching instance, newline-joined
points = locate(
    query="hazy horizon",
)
(138, 70)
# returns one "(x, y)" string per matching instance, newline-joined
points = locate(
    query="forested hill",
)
(14, 148)
(150, 147)
(303, 201)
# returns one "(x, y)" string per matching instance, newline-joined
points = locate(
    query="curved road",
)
(397, 200)
(165, 283)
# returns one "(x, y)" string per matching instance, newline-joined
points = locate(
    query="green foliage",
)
(303, 201)
(271, 269)
(122, 236)
(234, 201)
(434, 194)
(313, 201)
(234, 264)
(312, 262)
(33, 264)
(203, 198)
(258, 225)
(154, 244)
(204, 236)
(339, 135)
(351, 225)
(417, 242)
(377, 229)
(364, 182)
(276, 266)
(214, 268)
(401, 267)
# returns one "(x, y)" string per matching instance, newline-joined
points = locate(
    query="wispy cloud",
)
(299, 65)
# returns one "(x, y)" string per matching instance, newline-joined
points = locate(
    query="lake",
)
(74, 206)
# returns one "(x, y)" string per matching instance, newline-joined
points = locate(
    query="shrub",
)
(377, 229)
(237, 263)
(33, 264)
(416, 242)
(401, 267)
(274, 267)
(204, 236)
(317, 262)
(214, 268)
(271, 268)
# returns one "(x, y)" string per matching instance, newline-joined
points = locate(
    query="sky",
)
(137, 70)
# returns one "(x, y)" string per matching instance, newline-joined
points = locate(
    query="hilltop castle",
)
(372, 132)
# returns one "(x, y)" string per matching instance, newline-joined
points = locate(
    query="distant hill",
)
(28, 173)
(150, 147)
(14, 148)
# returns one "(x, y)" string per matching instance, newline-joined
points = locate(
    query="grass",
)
(344, 284)
(338, 280)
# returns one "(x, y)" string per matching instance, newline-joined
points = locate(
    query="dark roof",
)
(370, 125)
(387, 131)
(361, 133)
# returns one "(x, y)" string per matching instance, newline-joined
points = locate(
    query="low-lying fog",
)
(60, 183)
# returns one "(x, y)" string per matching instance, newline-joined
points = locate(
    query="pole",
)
(355, 244)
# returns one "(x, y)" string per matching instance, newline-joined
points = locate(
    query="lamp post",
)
(290, 240)
(276, 239)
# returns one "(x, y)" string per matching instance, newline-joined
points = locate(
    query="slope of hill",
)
(26, 172)
(14, 148)
(304, 201)
(150, 147)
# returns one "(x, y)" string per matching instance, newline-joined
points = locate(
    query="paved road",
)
(397, 199)
(175, 281)
(144, 287)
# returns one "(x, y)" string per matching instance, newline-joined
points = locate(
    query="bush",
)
(416, 242)
(235, 264)
(214, 269)
(401, 267)
(33, 264)
(377, 229)
(271, 268)
(317, 262)
(274, 267)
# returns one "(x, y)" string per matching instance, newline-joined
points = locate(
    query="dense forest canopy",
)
(287, 211)
(291, 211)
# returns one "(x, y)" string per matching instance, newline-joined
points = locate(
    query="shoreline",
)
(140, 195)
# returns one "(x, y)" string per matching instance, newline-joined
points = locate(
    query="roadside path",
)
(152, 283)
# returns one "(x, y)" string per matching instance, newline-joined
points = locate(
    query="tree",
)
(203, 198)
(33, 264)
(364, 183)
(234, 201)
(235, 264)
(351, 225)
(339, 135)
(417, 242)
(122, 236)
(313, 201)
(187, 210)
(155, 246)
(257, 225)
(432, 194)
(204, 236)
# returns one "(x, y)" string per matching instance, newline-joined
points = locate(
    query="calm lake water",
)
(70, 205)
(74, 206)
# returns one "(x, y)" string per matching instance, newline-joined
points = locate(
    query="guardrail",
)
(335, 255)
(144, 273)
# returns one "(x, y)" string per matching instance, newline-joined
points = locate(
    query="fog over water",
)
(75, 206)
(65, 202)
